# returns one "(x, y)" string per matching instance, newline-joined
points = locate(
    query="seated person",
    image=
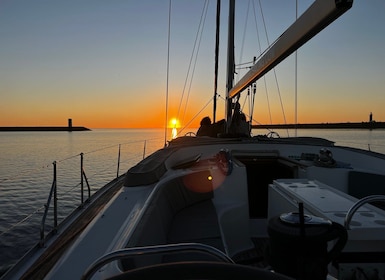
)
(239, 126)
(205, 129)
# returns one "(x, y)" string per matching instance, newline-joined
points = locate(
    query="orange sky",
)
(88, 63)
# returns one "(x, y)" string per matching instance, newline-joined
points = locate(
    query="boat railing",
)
(103, 163)
(83, 179)
(53, 193)
(46, 206)
(152, 250)
(358, 204)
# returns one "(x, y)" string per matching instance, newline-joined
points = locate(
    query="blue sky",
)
(103, 63)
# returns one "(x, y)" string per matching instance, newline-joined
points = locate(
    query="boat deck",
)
(54, 249)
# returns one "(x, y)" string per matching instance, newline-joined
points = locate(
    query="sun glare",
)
(174, 123)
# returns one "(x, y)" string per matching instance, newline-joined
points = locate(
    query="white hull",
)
(168, 212)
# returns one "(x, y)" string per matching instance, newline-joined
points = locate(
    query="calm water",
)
(26, 171)
(26, 175)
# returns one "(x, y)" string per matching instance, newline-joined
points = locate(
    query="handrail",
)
(83, 175)
(53, 190)
(156, 249)
(358, 204)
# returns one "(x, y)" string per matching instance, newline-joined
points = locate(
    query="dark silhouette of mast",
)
(216, 58)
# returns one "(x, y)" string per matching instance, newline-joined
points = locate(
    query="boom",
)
(319, 15)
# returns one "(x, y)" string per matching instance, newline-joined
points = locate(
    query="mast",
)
(230, 60)
(216, 58)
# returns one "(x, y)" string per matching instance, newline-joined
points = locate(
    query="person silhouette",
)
(205, 128)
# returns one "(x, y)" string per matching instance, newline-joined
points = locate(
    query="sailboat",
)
(230, 205)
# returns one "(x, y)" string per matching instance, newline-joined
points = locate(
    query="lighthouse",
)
(69, 124)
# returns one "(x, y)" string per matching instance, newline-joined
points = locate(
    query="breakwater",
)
(43, 128)
(348, 125)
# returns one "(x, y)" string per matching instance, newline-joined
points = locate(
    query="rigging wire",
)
(296, 84)
(197, 114)
(275, 73)
(248, 64)
(246, 99)
(200, 33)
(167, 71)
(194, 53)
(244, 34)
(252, 101)
(254, 85)
(267, 39)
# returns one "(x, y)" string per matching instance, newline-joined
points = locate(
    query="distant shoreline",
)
(44, 128)
(355, 125)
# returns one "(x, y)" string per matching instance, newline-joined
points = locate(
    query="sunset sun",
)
(174, 123)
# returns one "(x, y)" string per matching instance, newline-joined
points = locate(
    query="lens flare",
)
(209, 178)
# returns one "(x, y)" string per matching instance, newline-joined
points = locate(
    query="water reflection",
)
(174, 133)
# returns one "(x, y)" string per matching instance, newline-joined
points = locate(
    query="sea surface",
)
(27, 162)
(26, 176)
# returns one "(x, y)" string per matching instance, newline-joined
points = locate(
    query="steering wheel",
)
(190, 133)
(200, 270)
